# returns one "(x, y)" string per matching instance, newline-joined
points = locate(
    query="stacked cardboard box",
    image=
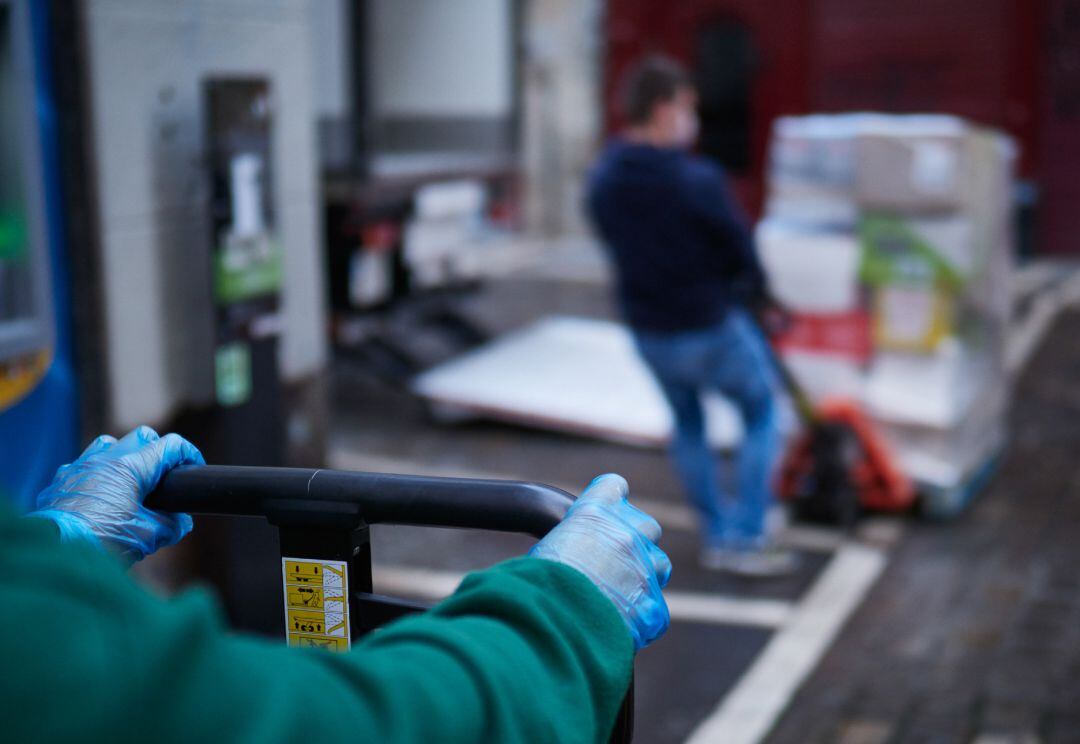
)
(890, 237)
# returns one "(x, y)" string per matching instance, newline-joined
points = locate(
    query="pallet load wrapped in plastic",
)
(890, 239)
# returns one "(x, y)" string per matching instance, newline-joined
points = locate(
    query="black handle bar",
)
(375, 498)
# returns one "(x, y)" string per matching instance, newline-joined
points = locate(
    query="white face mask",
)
(686, 128)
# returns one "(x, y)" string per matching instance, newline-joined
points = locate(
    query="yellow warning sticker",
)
(303, 596)
(316, 604)
(308, 641)
(306, 622)
(303, 572)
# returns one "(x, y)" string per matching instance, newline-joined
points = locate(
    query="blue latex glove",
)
(98, 498)
(614, 544)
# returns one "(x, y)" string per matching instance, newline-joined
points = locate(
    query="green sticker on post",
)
(247, 268)
(232, 374)
(12, 236)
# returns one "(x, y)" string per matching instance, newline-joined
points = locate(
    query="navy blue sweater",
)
(682, 249)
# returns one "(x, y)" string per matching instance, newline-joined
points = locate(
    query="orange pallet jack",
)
(838, 466)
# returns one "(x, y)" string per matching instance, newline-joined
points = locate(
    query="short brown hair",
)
(653, 80)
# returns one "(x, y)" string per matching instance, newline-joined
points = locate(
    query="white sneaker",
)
(719, 559)
(767, 563)
(759, 563)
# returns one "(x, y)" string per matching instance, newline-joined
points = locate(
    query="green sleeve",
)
(525, 651)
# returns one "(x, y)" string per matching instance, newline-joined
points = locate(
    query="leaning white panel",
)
(575, 375)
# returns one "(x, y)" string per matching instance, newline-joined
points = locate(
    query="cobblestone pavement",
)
(973, 632)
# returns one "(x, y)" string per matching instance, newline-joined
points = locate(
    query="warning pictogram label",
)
(306, 622)
(314, 598)
(316, 604)
(307, 641)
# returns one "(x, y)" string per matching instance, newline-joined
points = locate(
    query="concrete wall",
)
(440, 58)
(331, 57)
(562, 110)
(147, 59)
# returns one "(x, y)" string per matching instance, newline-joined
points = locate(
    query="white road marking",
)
(749, 711)
(1033, 277)
(1025, 336)
(708, 608)
(881, 531)
(423, 583)
(810, 537)
(670, 516)
(1011, 738)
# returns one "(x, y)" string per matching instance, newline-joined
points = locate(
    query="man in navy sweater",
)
(689, 282)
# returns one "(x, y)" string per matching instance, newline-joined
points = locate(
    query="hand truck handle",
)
(375, 498)
(296, 494)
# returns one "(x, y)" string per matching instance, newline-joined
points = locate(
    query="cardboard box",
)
(912, 174)
(945, 457)
(940, 167)
(812, 172)
(825, 375)
(911, 164)
(934, 390)
(817, 150)
(810, 270)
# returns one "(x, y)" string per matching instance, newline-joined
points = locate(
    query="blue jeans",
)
(730, 357)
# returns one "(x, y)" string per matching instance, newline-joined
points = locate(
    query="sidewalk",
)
(973, 632)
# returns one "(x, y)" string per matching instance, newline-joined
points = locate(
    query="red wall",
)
(1006, 63)
(1058, 113)
(636, 27)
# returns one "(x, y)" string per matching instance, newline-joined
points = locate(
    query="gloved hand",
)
(614, 544)
(98, 498)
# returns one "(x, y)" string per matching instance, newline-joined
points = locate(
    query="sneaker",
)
(759, 563)
(766, 563)
(719, 559)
